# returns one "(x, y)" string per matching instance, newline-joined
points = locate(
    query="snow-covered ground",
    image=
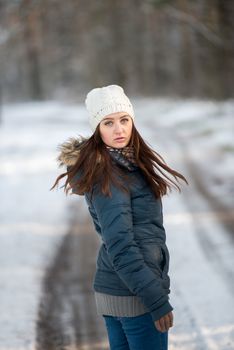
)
(205, 130)
(34, 220)
(198, 135)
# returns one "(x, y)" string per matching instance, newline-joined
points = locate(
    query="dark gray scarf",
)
(124, 156)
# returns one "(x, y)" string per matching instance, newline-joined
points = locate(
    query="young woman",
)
(123, 181)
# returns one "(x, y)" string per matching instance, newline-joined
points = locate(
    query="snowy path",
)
(202, 263)
(35, 228)
(33, 219)
(67, 317)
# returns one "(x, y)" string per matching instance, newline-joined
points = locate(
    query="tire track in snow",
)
(222, 215)
(67, 316)
(214, 202)
(192, 337)
(212, 232)
(202, 199)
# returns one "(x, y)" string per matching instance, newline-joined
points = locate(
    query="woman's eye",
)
(125, 120)
(110, 123)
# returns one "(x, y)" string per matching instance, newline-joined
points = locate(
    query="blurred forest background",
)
(59, 49)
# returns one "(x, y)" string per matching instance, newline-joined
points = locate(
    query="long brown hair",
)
(95, 165)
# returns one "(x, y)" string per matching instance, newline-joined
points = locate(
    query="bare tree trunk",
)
(225, 63)
(30, 35)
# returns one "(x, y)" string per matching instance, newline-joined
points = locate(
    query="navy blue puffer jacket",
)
(133, 258)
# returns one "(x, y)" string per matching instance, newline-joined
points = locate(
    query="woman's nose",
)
(117, 128)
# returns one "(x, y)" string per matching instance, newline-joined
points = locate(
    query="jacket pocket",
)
(165, 268)
(165, 261)
(156, 256)
(153, 257)
(103, 261)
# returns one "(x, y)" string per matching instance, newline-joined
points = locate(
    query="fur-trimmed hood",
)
(69, 151)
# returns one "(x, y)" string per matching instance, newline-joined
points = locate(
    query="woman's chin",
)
(119, 144)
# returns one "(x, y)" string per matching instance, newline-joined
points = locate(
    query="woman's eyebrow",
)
(122, 116)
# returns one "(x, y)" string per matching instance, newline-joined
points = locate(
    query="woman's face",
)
(116, 129)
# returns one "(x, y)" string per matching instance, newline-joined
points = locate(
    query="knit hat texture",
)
(103, 101)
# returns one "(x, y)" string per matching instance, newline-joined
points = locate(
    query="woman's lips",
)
(120, 139)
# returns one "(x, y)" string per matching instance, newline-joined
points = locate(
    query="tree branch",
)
(197, 26)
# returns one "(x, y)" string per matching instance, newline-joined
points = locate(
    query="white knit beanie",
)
(103, 101)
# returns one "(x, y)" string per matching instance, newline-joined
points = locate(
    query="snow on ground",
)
(202, 259)
(34, 219)
(206, 131)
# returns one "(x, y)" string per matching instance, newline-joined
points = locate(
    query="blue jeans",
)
(135, 333)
